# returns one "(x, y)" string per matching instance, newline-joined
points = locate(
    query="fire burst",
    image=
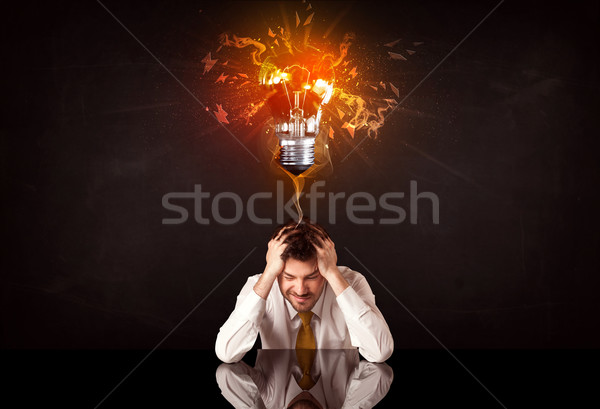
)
(299, 96)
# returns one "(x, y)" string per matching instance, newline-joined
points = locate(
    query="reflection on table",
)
(334, 379)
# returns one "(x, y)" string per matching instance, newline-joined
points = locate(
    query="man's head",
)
(300, 282)
(304, 401)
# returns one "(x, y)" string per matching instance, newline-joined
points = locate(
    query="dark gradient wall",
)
(503, 132)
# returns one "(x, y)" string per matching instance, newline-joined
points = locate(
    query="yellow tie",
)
(305, 350)
(306, 338)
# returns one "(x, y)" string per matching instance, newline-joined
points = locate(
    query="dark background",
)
(96, 132)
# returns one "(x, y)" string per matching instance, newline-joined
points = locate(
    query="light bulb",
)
(297, 86)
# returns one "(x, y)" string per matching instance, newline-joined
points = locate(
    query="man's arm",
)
(238, 334)
(369, 384)
(238, 384)
(366, 325)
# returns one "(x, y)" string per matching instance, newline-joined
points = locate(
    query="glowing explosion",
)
(303, 85)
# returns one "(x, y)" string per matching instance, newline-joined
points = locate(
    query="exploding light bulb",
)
(297, 85)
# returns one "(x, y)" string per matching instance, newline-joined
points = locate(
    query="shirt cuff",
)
(351, 304)
(252, 308)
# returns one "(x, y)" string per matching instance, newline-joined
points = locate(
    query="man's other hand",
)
(327, 264)
(326, 256)
(276, 247)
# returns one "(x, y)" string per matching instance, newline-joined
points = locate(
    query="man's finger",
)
(319, 244)
(281, 233)
(284, 236)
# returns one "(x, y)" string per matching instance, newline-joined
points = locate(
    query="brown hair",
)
(301, 239)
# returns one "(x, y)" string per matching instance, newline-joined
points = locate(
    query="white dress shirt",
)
(349, 320)
(341, 380)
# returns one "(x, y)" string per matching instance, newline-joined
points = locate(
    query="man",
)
(303, 300)
(342, 380)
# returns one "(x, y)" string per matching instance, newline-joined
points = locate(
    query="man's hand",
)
(276, 247)
(327, 264)
(275, 264)
(326, 257)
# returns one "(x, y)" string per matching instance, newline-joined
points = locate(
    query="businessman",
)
(341, 381)
(304, 301)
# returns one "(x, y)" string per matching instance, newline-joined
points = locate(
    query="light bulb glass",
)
(298, 85)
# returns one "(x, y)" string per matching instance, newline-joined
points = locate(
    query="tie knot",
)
(306, 317)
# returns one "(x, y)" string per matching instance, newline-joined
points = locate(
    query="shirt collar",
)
(317, 308)
(293, 390)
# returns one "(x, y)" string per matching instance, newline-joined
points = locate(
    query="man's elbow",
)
(228, 359)
(386, 352)
(381, 353)
(380, 356)
(225, 354)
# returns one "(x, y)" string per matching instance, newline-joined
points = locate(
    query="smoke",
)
(241, 42)
(322, 167)
(366, 115)
(344, 47)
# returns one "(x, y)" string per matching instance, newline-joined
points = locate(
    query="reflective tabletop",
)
(272, 379)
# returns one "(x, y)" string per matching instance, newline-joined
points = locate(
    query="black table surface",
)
(186, 378)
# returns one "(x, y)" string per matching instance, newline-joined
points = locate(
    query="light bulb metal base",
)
(297, 155)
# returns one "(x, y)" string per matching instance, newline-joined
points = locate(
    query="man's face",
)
(301, 283)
